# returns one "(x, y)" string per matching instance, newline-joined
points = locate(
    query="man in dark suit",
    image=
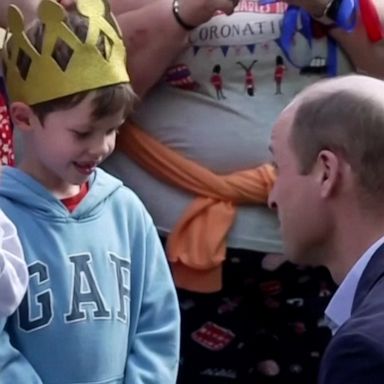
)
(328, 148)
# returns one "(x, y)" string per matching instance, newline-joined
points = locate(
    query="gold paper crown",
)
(87, 68)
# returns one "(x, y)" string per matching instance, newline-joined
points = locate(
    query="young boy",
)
(101, 306)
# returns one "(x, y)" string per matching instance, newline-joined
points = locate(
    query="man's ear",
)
(328, 172)
(22, 116)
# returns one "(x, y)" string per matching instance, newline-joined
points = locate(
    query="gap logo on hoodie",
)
(86, 299)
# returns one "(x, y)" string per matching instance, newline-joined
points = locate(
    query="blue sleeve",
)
(153, 353)
(353, 359)
(14, 368)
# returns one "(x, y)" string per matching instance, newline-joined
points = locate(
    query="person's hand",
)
(196, 12)
(314, 7)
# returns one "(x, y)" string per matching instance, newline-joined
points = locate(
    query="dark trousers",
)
(263, 327)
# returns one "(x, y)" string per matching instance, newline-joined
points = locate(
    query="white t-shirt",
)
(217, 105)
(13, 270)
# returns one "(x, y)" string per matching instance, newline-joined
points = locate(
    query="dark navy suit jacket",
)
(355, 354)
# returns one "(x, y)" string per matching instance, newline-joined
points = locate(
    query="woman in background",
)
(265, 324)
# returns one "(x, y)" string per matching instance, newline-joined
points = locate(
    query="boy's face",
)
(64, 150)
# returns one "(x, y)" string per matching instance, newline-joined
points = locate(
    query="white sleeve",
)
(13, 269)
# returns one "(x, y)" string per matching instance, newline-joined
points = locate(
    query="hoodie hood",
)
(24, 190)
(101, 306)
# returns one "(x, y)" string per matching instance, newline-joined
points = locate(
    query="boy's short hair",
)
(107, 100)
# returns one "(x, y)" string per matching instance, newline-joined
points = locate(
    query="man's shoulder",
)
(364, 329)
(356, 353)
(366, 321)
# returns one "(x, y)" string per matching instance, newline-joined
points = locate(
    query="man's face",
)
(69, 145)
(297, 198)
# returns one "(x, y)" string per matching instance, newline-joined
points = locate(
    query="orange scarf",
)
(196, 246)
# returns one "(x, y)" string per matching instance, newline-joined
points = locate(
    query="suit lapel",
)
(372, 273)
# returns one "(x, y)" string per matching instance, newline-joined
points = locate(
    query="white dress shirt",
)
(339, 308)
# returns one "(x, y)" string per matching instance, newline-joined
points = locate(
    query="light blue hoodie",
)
(101, 306)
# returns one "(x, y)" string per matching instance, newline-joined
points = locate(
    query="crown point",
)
(27, 59)
(92, 7)
(51, 11)
(15, 20)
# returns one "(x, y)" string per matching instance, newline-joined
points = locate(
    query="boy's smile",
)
(86, 168)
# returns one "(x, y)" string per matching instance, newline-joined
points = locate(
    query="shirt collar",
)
(339, 308)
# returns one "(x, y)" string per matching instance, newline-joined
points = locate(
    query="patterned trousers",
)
(264, 327)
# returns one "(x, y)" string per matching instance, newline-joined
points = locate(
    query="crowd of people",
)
(241, 228)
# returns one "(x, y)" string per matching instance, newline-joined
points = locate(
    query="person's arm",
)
(28, 8)
(366, 56)
(154, 334)
(153, 37)
(353, 359)
(14, 368)
(13, 270)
